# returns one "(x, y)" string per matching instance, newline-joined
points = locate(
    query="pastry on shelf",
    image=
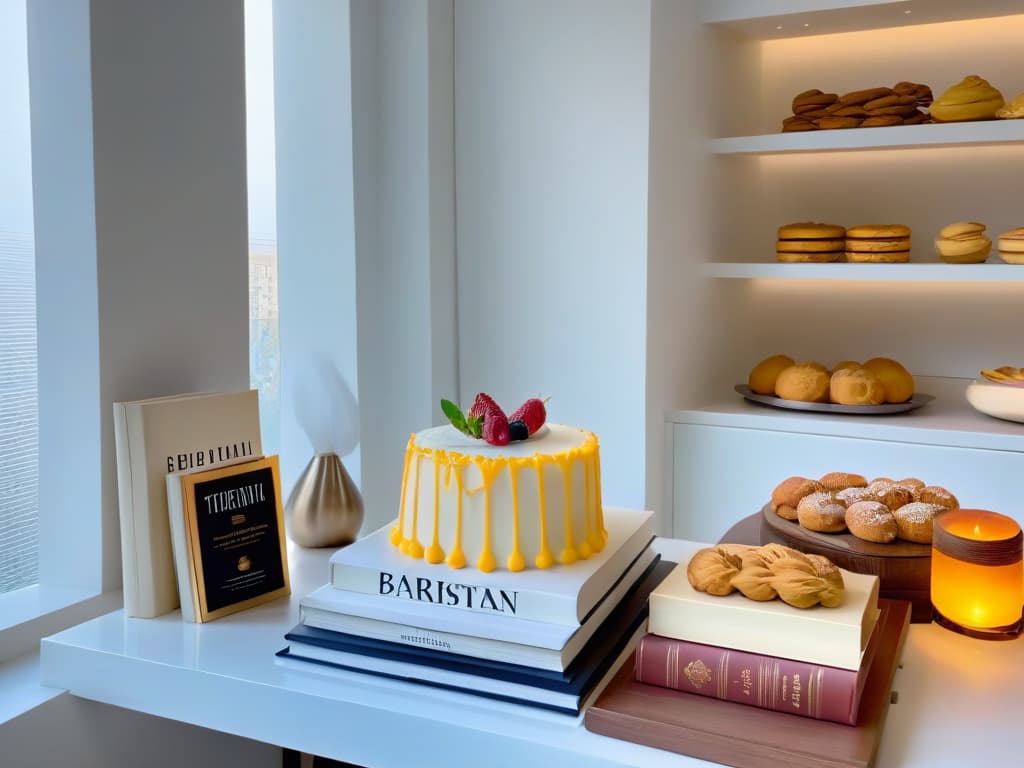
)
(1005, 374)
(763, 376)
(1012, 110)
(878, 243)
(963, 243)
(897, 380)
(1011, 246)
(973, 98)
(810, 241)
(877, 107)
(877, 381)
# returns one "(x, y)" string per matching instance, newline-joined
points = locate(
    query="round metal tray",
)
(919, 399)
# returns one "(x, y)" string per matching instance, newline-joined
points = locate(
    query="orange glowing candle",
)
(977, 584)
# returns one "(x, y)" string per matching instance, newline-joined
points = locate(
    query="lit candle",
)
(977, 584)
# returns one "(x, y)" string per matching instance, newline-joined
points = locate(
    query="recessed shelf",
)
(990, 132)
(780, 19)
(948, 420)
(991, 271)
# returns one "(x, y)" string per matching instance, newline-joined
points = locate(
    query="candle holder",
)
(977, 579)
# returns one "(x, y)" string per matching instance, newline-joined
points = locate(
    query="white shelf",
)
(991, 271)
(990, 132)
(948, 420)
(780, 19)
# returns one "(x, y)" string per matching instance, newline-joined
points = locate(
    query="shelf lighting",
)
(977, 578)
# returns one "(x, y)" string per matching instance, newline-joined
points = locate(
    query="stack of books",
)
(544, 638)
(811, 662)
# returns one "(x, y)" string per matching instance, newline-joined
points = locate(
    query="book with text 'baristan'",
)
(559, 595)
(152, 438)
(768, 682)
(614, 639)
(834, 637)
(477, 635)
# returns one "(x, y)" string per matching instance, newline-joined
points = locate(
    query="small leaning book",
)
(768, 682)
(153, 437)
(228, 538)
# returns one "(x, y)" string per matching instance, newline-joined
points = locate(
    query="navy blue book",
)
(561, 692)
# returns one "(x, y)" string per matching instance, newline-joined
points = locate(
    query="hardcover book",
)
(516, 641)
(834, 637)
(228, 538)
(768, 682)
(614, 640)
(559, 595)
(152, 438)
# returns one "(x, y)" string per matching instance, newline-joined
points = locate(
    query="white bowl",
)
(999, 400)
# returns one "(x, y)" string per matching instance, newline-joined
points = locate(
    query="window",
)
(19, 466)
(264, 343)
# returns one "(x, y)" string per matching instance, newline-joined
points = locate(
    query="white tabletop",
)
(959, 700)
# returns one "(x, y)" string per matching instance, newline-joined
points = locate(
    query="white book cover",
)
(502, 638)
(835, 637)
(559, 595)
(153, 438)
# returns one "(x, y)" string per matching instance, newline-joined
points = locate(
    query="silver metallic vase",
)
(324, 509)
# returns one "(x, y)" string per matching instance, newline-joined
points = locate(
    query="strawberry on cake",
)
(496, 491)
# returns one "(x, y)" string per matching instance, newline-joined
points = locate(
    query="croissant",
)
(711, 570)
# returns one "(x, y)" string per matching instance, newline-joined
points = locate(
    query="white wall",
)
(551, 106)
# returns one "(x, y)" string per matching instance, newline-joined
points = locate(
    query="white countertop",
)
(959, 700)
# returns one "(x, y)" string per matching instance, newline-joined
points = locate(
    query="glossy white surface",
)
(952, 693)
(1002, 401)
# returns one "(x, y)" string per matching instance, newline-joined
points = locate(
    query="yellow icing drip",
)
(568, 555)
(544, 558)
(396, 532)
(434, 553)
(457, 558)
(585, 548)
(599, 504)
(489, 469)
(412, 546)
(516, 561)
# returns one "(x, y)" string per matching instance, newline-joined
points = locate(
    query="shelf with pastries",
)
(948, 420)
(933, 270)
(781, 19)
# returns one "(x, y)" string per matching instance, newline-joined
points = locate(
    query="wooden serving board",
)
(903, 567)
(745, 736)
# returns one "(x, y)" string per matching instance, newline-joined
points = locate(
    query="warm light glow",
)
(970, 594)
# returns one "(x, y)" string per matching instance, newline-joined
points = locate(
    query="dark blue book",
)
(561, 692)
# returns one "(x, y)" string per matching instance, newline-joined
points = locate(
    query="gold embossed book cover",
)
(227, 531)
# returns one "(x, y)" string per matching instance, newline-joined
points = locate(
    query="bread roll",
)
(898, 383)
(936, 494)
(871, 521)
(821, 512)
(914, 521)
(762, 377)
(806, 382)
(838, 481)
(788, 493)
(856, 386)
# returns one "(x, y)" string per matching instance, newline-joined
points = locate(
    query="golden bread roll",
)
(973, 98)
(856, 386)
(808, 258)
(839, 481)
(843, 365)
(849, 496)
(898, 383)
(914, 521)
(880, 481)
(810, 230)
(787, 494)
(821, 512)
(895, 257)
(763, 375)
(913, 483)
(875, 231)
(871, 521)
(894, 496)
(936, 494)
(806, 382)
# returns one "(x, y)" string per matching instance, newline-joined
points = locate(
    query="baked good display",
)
(1011, 246)
(880, 511)
(1012, 110)
(878, 243)
(902, 104)
(806, 382)
(763, 376)
(810, 242)
(963, 243)
(492, 491)
(765, 573)
(856, 386)
(897, 380)
(973, 98)
(1005, 374)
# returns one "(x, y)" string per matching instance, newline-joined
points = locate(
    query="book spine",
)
(782, 685)
(544, 607)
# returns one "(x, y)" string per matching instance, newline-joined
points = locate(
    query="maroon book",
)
(768, 682)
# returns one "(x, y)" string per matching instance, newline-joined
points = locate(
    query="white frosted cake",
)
(528, 504)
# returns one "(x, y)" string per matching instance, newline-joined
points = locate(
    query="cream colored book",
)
(153, 438)
(835, 637)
